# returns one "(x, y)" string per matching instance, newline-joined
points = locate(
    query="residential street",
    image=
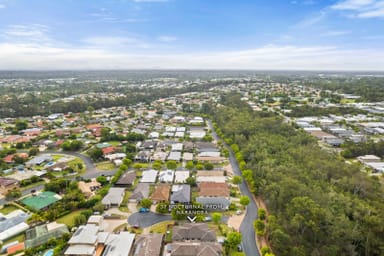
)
(246, 228)
(147, 219)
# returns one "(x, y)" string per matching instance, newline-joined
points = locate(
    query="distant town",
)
(182, 163)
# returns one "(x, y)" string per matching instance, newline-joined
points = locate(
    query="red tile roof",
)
(15, 248)
(108, 150)
(214, 189)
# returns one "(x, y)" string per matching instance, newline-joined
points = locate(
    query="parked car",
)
(143, 210)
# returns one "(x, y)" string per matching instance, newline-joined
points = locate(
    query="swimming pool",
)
(49, 253)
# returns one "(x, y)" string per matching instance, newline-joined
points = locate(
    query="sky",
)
(192, 34)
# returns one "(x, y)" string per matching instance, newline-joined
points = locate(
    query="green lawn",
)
(69, 219)
(105, 166)
(19, 238)
(56, 157)
(115, 143)
(7, 209)
(161, 227)
(124, 203)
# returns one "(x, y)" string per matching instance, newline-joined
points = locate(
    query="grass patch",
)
(19, 238)
(56, 157)
(8, 209)
(33, 185)
(105, 166)
(124, 203)
(115, 143)
(161, 227)
(221, 229)
(69, 219)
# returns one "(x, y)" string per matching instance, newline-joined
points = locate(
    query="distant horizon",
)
(191, 69)
(314, 35)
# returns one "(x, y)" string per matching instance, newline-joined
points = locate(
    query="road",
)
(147, 219)
(246, 228)
(91, 171)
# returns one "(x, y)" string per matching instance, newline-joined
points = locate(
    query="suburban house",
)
(88, 188)
(126, 180)
(148, 245)
(83, 242)
(114, 197)
(118, 244)
(181, 176)
(149, 176)
(7, 184)
(41, 234)
(193, 232)
(166, 176)
(13, 224)
(174, 156)
(210, 176)
(161, 193)
(181, 194)
(214, 196)
(141, 191)
(193, 249)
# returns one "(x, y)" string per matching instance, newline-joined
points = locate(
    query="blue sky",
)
(192, 34)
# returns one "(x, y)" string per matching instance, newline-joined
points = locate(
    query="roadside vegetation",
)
(317, 204)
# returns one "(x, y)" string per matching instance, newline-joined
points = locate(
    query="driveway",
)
(147, 219)
(246, 227)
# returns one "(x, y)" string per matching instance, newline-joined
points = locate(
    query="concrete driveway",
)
(147, 219)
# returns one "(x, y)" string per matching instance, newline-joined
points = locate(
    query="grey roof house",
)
(181, 194)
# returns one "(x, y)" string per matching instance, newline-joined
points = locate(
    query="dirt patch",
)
(235, 221)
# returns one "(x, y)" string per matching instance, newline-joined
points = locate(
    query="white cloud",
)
(335, 33)
(27, 33)
(352, 4)
(2, 6)
(167, 39)
(22, 56)
(361, 8)
(115, 42)
(310, 21)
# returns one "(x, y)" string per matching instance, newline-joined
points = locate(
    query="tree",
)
(21, 125)
(216, 217)
(146, 203)
(127, 161)
(208, 166)
(234, 239)
(33, 151)
(259, 226)
(199, 166)
(137, 166)
(237, 180)
(99, 207)
(79, 220)
(191, 181)
(13, 194)
(102, 180)
(95, 153)
(157, 165)
(172, 165)
(123, 167)
(162, 207)
(244, 200)
(261, 213)
(189, 165)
